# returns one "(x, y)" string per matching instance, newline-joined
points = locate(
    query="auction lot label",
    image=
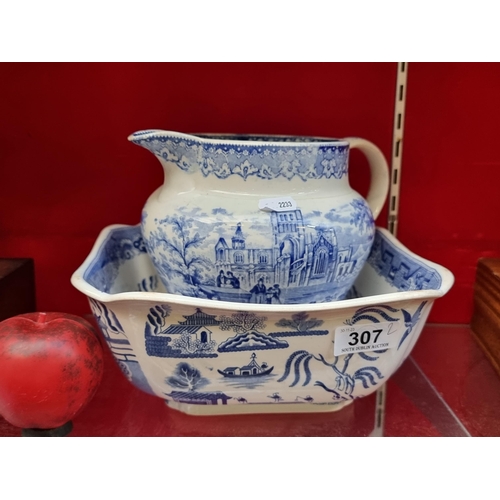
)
(362, 338)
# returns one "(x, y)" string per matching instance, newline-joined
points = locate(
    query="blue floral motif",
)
(244, 169)
(316, 159)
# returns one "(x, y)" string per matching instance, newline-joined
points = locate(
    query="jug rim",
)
(228, 138)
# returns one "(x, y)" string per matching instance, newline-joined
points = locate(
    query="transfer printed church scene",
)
(292, 259)
(295, 259)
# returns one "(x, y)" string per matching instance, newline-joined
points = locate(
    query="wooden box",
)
(486, 317)
(17, 287)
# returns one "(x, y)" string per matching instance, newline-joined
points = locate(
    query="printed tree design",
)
(362, 217)
(300, 322)
(180, 245)
(188, 344)
(298, 366)
(186, 377)
(242, 322)
(156, 319)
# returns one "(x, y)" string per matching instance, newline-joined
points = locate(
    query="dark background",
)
(67, 169)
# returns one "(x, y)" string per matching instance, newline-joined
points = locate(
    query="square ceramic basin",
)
(206, 357)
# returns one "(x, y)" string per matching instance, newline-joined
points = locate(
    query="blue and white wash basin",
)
(206, 357)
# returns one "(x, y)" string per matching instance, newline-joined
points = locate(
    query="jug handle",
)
(379, 170)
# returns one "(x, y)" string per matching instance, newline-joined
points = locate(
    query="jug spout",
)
(150, 134)
(160, 142)
(169, 147)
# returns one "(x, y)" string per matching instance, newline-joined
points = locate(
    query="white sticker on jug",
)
(281, 204)
(362, 338)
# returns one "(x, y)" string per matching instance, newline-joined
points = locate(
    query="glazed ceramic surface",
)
(265, 220)
(206, 357)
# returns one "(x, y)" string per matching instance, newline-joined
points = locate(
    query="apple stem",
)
(41, 317)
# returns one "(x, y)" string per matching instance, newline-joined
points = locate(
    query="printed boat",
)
(253, 369)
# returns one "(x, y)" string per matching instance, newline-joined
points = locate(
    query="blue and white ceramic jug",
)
(267, 220)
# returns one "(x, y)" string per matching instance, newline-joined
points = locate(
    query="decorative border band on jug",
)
(313, 160)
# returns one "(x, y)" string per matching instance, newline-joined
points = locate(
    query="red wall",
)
(450, 199)
(67, 170)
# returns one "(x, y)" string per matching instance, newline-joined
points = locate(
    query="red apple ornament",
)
(50, 367)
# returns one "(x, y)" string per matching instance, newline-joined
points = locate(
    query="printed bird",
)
(411, 321)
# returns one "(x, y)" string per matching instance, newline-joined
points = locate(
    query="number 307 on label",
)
(362, 338)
